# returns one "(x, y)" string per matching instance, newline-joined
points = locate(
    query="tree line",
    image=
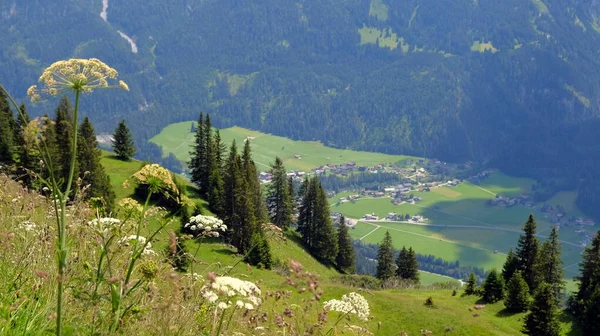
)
(229, 181)
(25, 142)
(366, 263)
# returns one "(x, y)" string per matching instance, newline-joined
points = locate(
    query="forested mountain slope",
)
(511, 82)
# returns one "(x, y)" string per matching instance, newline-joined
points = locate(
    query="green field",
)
(488, 232)
(177, 139)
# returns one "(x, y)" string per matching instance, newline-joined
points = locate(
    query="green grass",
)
(541, 6)
(502, 184)
(566, 200)
(119, 171)
(426, 278)
(177, 139)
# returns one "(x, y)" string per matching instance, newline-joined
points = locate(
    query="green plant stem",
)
(62, 230)
(220, 323)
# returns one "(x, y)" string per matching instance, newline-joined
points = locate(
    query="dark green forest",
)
(513, 83)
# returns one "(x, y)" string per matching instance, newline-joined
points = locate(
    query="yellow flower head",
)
(77, 75)
(158, 178)
(130, 205)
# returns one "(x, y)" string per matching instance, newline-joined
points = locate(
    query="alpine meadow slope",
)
(513, 83)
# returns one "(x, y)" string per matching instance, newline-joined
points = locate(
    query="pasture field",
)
(502, 184)
(177, 139)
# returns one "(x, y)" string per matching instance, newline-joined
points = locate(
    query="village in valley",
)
(420, 175)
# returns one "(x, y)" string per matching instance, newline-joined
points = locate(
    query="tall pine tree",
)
(122, 142)
(253, 185)
(7, 131)
(543, 317)
(92, 171)
(345, 260)
(551, 264)
(64, 139)
(279, 201)
(493, 287)
(527, 254)
(385, 258)
(198, 156)
(584, 300)
(517, 294)
(325, 245)
(511, 265)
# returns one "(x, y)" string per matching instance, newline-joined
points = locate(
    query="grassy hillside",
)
(392, 310)
(177, 139)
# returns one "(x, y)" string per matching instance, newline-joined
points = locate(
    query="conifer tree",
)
(64, 139)
(401, 263)
(413, 266)
(511, 265)
(92, 171)
(325, 246)
(7, 131)
(198, 155)
(239, 213)
(122, 143)
(551, 264)
(493, 287)
(590, 319)
(306, 209)
(471, 284)
(345, 260)
(52, 155)
(527, 254)
(207, 165)
(279, 200)
(253, 185)
(542, 319)
(260, 255)
(385, 258)
(583, 302)
(517, 294)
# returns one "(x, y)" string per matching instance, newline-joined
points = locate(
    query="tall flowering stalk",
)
(75, 76)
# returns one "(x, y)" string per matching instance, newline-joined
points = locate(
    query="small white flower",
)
(249, 306)
(222, 305)
(239, 304)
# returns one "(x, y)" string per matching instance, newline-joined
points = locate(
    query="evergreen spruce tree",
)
(92, 171)
(590, 319)
(279, 200)
(413, 266)
(260, 255)
(53, 153)
(7, 131)
(233, 182)
(385, 258)
(346, 256)
(528, 253)
(306, 210)
(325, 245)
(583, 302)
(517, 294)
(511, 265)
(209, 159)
(493, 287)
(551, 264)
(471, 287)
(64, 139)
(253, 185)
(198, 155)
(542, 319)
(402, 263)
(122, 143)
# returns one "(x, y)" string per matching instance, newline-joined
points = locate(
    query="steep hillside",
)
(512, 82)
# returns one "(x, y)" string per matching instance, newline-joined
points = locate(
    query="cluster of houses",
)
(267, 177)
(392, 216)
(509, 202)
(343, 169)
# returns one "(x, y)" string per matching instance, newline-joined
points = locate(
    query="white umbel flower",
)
(352, 303)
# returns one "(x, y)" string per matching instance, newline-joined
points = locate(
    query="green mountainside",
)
(510, 82)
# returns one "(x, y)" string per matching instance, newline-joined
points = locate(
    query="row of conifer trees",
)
(25, 142)
(229, 181)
